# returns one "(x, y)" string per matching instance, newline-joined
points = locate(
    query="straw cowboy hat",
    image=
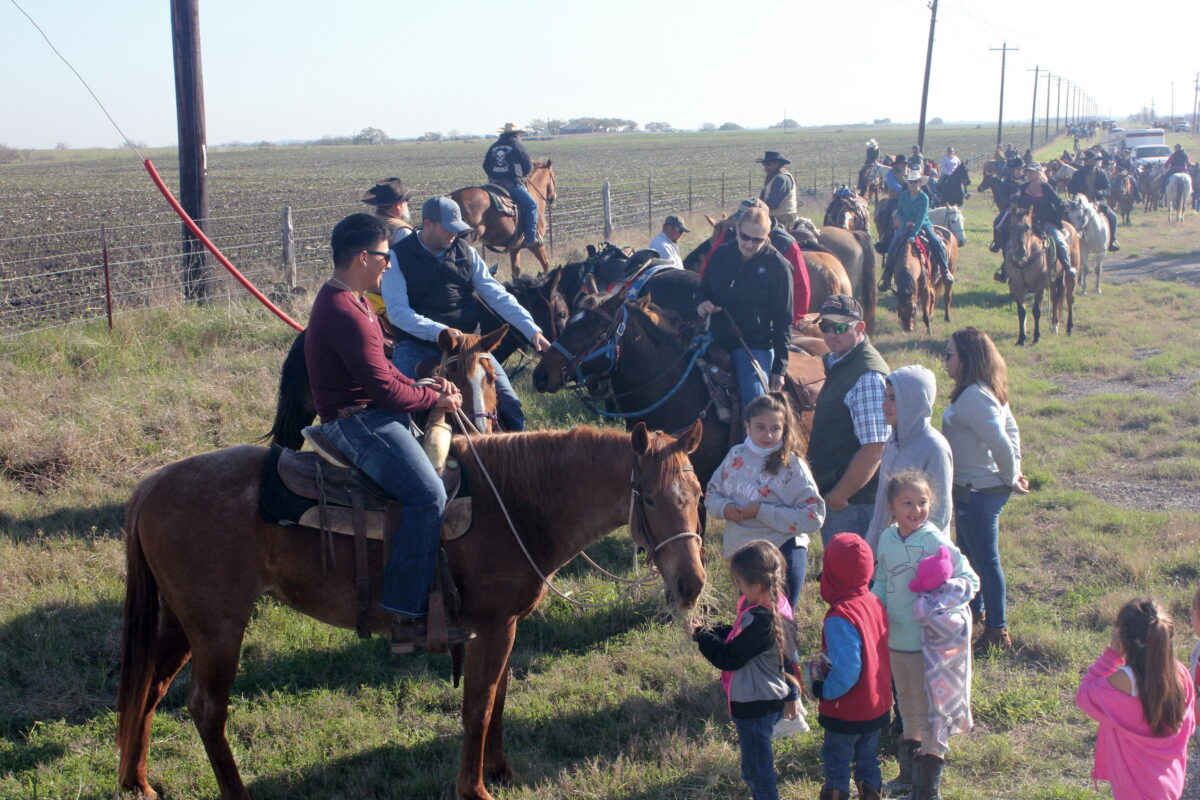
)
(872, 143)
(510, 128)
(388, 192)
(915, 176)
(772, 156)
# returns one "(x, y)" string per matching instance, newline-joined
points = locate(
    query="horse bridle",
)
(606, 345)
(548, 201)
(637, 513)
(442, 371)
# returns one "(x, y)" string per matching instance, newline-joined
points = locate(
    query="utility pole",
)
(1033, 113)
(1196, 104)
(1058, 105)
(928, 63)
(193, 156)
(1172, 103)
(1004, 51)
(1046, 135)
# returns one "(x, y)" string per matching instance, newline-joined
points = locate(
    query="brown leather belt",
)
(346, 412)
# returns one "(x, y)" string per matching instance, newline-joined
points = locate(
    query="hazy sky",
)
(304, 69)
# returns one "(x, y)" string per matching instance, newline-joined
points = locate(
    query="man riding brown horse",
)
(507, 164)
(364, 402)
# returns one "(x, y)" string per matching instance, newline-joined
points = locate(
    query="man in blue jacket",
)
(508, 164)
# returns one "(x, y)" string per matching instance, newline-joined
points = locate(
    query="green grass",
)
(605, 704)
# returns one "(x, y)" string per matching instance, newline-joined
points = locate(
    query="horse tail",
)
(139, 630)
(866, 279)
(294, 408)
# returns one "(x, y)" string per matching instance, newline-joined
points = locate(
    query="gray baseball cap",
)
(674, 219)
(444, 212)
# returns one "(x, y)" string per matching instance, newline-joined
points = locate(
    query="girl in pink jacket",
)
(1143, 699)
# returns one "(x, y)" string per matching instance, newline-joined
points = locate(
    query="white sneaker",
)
(790, 727)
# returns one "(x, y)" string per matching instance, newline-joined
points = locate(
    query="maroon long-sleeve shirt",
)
(346, 364)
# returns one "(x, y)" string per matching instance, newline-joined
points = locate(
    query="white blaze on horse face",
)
(478, 412)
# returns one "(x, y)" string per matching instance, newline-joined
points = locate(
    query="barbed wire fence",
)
(92, 271)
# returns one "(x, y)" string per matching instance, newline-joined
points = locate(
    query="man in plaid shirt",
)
(849, 430)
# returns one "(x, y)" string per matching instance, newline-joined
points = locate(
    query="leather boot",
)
(906, 754)
(927, 778)
(829, 793)
(992, 639)
(409, 634)
(868, 792)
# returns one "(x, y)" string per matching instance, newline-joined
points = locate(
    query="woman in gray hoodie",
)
(915, 445)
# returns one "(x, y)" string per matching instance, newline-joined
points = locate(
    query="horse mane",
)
(545, 474)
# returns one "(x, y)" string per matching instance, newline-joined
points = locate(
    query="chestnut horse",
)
(500, 232)
(1025, 265)
(914, 282)
(1120, 196)
(198, 555)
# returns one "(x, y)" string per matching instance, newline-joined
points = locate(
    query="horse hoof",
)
(1098, 290)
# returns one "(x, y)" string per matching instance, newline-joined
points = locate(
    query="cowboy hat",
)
(388, 192)
(872, 143)
(510, 128)
(772, 156)
(915, 176)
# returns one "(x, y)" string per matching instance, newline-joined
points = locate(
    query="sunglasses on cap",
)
(835, 327)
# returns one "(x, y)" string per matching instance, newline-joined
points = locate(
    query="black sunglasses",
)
(751, 239)
(378, 253)
(835, 327)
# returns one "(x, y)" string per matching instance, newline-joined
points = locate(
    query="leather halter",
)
(606, 345)
(637, 513)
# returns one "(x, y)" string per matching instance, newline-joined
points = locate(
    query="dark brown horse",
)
(915, 287)
(198, 555)
(499, 232)
(646, 354)
(1029, 270)
(541, 297)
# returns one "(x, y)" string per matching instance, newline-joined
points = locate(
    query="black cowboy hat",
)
(772, 156)
(900, 161)
(388, 192)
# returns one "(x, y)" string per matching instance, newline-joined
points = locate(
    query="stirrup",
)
(324, 446)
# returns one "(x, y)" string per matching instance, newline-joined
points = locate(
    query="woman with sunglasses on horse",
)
(986, 446)
(747, 289)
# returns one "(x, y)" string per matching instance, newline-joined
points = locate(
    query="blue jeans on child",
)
(840, 750)
(758, 757)
(796, 559)
(407, 353)
(854, 518)
(749, 386)
(379, 443)
(977, 523)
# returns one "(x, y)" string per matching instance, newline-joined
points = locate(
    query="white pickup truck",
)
(1146, 146)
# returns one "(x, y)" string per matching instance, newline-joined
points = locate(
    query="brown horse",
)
(198, 555)
(1120, 196)
(993, 182)
(915, 286)
(499, 232)
(857, 254)
(826, 276)
(1028, 271)
(850, 212)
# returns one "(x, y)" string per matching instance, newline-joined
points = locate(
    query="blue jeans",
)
(749, 386)
(379, 443)
(1060, 244)
(854, 518)
(977, 523)
(840, 750)
(528, 206)
(407, 353)
(796, 559)
(758, 758)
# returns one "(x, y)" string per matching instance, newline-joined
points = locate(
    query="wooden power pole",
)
(193, 148)
(1004, 51)
(928, 63)
(1033, 113)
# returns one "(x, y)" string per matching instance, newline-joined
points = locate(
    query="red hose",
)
(212, 248)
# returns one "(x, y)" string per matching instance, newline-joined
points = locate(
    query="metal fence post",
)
(289, 249)
(689, 192)
(722, 191)
(606, 202)
(107, 282)
(649, 207)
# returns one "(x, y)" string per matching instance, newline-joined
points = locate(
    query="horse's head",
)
(546, 304)
(474, 375)
(1021, 235)
(908, 273)
(665, 513)
(585, 349)
(543, 176)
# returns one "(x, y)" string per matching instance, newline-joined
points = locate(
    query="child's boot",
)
(906, 756)
(927, 778)
(868, 792)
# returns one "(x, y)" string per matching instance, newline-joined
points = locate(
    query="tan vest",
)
(788, 206)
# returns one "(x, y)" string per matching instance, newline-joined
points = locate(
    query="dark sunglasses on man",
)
(835, 327)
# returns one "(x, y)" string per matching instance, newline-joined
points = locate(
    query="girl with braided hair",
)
(1143, 699)
(754, 655)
